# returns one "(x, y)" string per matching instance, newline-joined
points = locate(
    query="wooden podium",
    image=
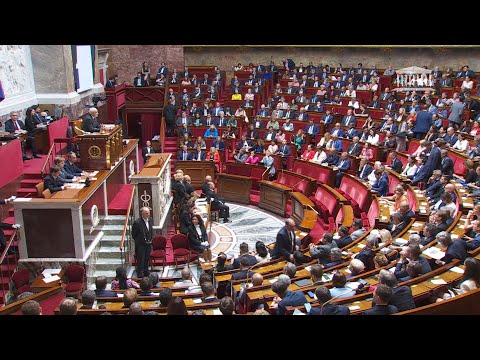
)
(100, 151)
(197, 170)
(273, 197)
(234, 188)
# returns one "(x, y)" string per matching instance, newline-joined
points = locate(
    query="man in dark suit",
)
(184, 154)
(289, 64)
(375, 103)
(402, 296)
(396, 165)
(456, 249)
(244, 264)
(199, 155)
(312, 129)
(3, 242)
(101, 285)
(70, 166)
(365, 168)
(446, 81)
(412, 253)
(447, 163)
(244, 254)
(349, 118)
(187, 182)
(217, 203)
(138, 81)
(324, 297)
(423, 123)
(12, 125)
(421, 174)
(354, 148)
(381, 184)
(184, 130)
(285, 297)
(163, 69)
(327, 118)
(434, 160)
(169, 112)
(434, 184)
(345, 238)
(343, 165)
(90, 122)
(400, 224)
(111, 82)
(332, 158)
(285, 244)
(284, 149)
(381, 297)
(51, 181)
(148, 149)
(142, 233)
(205, 186)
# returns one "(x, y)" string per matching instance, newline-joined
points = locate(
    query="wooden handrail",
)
(46, 160)
(43, 295)
(126, 219)
(9, 243)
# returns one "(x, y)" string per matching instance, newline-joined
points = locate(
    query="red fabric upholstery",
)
(158, 254)
(21, 278)
(181, 252)
(373, 212)
(356, 193)
(180, 247)
(75, 273)
(73, 287)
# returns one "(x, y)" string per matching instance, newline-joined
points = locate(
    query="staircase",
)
(170, 146)
(108, 255)
(27, 185)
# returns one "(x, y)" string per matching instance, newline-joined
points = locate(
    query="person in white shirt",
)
(288, 126)
(468, 83)
(446, 203)
(273, 147)
(462, 144)
(373, 138)
(376, 166)
(353, 103)
(350, 92)
(411, 167)
(249, 95)
(319, 156)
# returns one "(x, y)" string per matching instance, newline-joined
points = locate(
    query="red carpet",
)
(119, 204)
(48, 305)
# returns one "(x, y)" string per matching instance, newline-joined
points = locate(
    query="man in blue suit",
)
(323, 296)
(284, 149)
(285, 297)
(349, 119)
(312, 129)
(337, 143)
(381, 184)
(434, 161)
(332, 158)
(70, 166)
(337, 130)
(423, 123)
(327, 118)
(420, 174)
(101, 285)
(184, 154)
(343, 165)
(199, 155)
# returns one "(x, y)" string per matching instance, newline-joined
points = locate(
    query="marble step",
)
(107, 264)
(109, 252)
(109, 274)
(111, 220)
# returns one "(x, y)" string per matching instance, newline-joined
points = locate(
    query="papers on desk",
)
(400, 242)
(273, 280)
(50, 272)
(384, 218)
(308, 267)
(434, 253)
(94, 173)
(417, 224)
(121, 295)
(392, 269)
(353, 285)
(439, 282)
(297, 312)
(457, 270)
(197, 301)
(454, 236)
(302, 233)
(361, 246)
(354, 307)
(51, 279)
(75, 186)
(23, 199)
(217, 312)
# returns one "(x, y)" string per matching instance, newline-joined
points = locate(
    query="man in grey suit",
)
(358, 229)
(456, 113)
(322, 251)
(90, 123)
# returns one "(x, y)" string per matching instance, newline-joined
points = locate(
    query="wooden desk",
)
(41, 141)
(234, 188)
(302, 211)
(197, 170)
(100, 151)
(39, 285)
(273, 197)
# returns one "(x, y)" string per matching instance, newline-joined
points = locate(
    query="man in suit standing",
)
(147, 150)
(90, 123)
(423, 123)
(51, 181)
(456, 113)
(169, 112)
(289, 64)
(142, 233)
(447, 163)
(285, 244)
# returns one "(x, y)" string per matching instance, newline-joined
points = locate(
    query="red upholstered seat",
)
(74, 276)
(180, 248)
(158, 254)
(21, 279)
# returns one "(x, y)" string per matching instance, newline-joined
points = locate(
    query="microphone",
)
(298, 183)
(335, 297)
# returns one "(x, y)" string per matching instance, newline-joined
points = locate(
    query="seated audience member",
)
(31, 307)
(68, 306)
(402, 296)
(368, 252)
(355, 267)
(135, 309)
(335, 258)
(262, 254)
(284, 297)
(321, 251)
(358, 229)
(209, 293)
(70, 166)
(345, 238)
(88, 299)
(339, 290)
(226, 306)
(455, 249)
(380, 260)
(244, 253)
(316, 274)
(252, 159)
(101, 285)
(52, 180)
(381, 297)
(146, 286)
(324, 296)
(121, 281)
(165, 296)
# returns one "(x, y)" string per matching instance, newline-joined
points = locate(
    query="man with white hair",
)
(90, 123)
(142, 233)
(356, 267)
